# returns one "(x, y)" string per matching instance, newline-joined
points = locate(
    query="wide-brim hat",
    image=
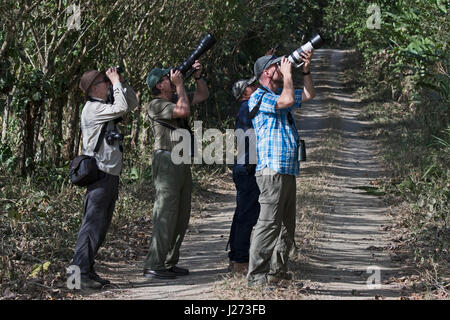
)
(155, 75)
(87, 79)
(263, 63)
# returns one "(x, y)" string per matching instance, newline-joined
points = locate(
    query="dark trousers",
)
(99, 205)
(246, 213)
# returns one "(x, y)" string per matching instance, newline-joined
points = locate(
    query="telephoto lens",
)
(205, 44)
(315, 43)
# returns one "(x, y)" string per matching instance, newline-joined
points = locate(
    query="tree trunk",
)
(137, 122)
(5, 120)
(73, 128)
(27, 161)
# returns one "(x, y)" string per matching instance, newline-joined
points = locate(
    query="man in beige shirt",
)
(173, 182)
(99, 120)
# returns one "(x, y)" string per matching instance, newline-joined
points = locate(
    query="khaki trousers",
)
(273, 235)
(171, 211)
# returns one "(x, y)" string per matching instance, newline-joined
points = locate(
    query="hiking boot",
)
(279, 277)
(88, 283)
(230, 266)
(238, 267)
(159, 274)
(94, 276)
(179, 271)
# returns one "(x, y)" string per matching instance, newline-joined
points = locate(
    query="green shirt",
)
(161, 109)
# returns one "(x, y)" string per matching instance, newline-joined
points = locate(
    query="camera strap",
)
(100, 137)
(252, 114)
(164, 124)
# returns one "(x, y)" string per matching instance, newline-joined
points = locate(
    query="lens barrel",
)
(314, 43)
(205, 44)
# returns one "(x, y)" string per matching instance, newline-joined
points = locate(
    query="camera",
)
(113, 135)
(205, 44)
(315, 43)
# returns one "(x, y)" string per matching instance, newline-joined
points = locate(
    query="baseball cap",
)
(263, 63)
(239, 86)
(155, 75)
(87, 79)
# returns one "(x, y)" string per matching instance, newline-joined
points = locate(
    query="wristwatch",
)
(306, 73)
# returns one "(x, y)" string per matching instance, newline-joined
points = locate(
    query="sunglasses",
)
(105, 79)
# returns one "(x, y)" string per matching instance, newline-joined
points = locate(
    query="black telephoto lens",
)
(205, 44)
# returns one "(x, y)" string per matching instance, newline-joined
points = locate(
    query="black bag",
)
(83, 169)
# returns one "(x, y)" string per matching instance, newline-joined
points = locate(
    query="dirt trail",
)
(350, 239)
(351, 229)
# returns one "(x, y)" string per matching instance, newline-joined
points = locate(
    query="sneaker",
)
(159, 274)
(94, 276)
(179, 271)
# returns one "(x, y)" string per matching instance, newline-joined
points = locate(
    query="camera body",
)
(205, 44)
(315, 43)
(112, 135)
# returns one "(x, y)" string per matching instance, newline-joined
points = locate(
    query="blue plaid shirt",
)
(276, 138)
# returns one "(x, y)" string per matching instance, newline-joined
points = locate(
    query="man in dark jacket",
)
(247, 191)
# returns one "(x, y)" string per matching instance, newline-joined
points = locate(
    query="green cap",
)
(155, 75)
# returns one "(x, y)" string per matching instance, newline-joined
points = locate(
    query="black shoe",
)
(159, 274)
(88, 283)
(179, 271)
(94, 276)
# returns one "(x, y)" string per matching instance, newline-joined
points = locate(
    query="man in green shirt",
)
(173, 182)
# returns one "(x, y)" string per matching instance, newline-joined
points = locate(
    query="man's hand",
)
(112, 74)
(176, 78)
(306, 58)
(285, 67)
(198, 69)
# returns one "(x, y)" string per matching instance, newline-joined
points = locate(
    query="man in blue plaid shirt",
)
(277, 139)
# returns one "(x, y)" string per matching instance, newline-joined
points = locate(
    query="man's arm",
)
(202, 92)
(286, 98)
(308, 90)
(105, 112)
(182, 108)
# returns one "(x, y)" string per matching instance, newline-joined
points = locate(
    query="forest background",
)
(45, 46)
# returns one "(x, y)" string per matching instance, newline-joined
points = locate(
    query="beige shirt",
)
(94, 115)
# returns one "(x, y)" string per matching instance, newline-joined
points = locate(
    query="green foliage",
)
(410, 48)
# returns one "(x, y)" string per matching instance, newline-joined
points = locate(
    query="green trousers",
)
(273, 235)
(171, 211)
